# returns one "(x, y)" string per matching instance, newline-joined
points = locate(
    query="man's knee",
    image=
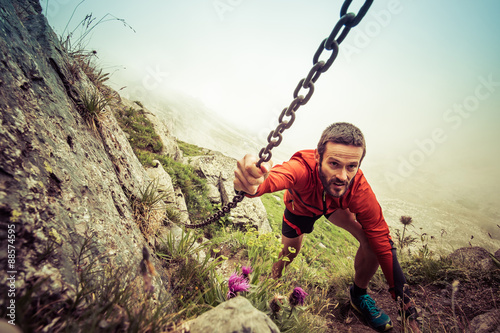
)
(346, 220)
(342, 217)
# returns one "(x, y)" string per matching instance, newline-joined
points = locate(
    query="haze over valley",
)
(451, 211)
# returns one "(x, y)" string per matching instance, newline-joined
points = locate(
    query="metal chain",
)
(287, 116)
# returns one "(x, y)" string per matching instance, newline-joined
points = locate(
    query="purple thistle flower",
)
(236, 283)
(297, 297)
(246, 271)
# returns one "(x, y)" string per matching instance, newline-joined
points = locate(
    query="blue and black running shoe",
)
(374, 316)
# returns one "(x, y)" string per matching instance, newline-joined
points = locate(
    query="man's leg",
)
(365, 266)
(365, 262)
(278, 266)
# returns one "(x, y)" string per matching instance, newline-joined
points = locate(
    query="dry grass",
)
(149, 209)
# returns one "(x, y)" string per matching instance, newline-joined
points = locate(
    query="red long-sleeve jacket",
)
(305, 196)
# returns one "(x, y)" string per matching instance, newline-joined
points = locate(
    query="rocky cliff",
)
(63, 185)
(66, 183)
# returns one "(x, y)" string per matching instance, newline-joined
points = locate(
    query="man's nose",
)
(342, 174)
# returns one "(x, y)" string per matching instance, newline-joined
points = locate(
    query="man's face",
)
(338, 167)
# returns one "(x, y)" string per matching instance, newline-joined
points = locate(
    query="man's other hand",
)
(248, 176)
(410, 316)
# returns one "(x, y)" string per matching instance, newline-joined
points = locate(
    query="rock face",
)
(62, 183)
(234, 316)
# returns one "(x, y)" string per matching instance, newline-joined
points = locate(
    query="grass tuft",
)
(149, 209)
(93, 106)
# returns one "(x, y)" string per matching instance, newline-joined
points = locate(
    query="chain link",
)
(287, 116)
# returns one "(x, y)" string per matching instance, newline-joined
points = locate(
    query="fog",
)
(420, 78)
(452, 199)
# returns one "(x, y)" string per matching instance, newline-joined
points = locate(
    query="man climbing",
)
(327, 181)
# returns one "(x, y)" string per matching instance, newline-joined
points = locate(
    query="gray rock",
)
(182, 207)
(219, 173)
(475, 258)
(234, 316)
(486, 323)
(163, 181)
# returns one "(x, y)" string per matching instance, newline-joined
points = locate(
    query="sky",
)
(421, 79)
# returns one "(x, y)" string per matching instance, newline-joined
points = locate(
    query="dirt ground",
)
(435, 306)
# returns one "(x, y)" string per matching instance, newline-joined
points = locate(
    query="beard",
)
(334, 186)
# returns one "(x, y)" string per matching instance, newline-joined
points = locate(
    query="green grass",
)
(139, 129)
(327, 246)
(189, 149)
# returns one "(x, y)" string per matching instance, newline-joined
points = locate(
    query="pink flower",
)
(297, 297)
(246, 271)
(236, 283)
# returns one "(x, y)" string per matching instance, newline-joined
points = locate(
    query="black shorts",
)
(296, 225)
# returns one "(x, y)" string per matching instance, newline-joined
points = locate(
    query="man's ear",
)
(316, 156)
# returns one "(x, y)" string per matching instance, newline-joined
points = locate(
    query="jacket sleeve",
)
(369, 214)
(282, 176)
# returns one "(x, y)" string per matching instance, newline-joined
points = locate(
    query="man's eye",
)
(352, 167)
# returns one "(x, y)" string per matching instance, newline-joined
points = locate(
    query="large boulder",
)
(218, 170)
(475, 258)
(236, 315)
(162, 181)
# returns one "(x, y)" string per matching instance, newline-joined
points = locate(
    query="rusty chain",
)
(287, 116)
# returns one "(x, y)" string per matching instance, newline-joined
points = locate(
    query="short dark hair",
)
(344, 133)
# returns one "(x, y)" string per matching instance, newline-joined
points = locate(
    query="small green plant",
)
(173, 214)
(93, 105)
(185, 246)
(151, 197)
(85, 61)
